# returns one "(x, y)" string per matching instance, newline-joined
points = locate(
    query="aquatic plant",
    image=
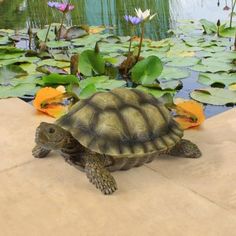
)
(64, 8)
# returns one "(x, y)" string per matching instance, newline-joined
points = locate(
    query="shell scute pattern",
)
(122, 122)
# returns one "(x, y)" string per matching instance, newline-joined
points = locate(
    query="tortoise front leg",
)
(40, 152)
(98, 174)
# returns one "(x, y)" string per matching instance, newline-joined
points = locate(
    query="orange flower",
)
(46, 101)
(189, 113)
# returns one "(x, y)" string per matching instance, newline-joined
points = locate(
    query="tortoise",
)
(114, 130)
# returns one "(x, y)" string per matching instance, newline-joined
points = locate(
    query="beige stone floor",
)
(170, 196)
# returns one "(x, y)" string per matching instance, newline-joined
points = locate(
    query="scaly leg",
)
(185, 148)
(40, 152)
(98, 174)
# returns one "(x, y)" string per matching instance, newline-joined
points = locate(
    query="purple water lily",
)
(133, 19)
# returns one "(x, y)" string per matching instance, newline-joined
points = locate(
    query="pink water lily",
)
(63, 7)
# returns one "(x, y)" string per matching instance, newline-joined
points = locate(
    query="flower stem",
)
(231, 14)
(129, 52)
(141, 42)
(60, 29)
(46, 37)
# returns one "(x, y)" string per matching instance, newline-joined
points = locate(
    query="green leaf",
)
(156, 92)
(93, 80)
(170, 73)
(228, 32)
(91, 63)
(9, 72)
(17, 91)
(183, 61)
(58, 44)
(52, 62)
(51, 69)
(208, 26)
(86, 92)
(214, 79)
(59, 79)
(147, 70)
(214, 96)
(75, 32)
(41, 34)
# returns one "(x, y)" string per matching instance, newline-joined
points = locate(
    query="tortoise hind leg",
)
(98, 174)
(40, 152)
(185, 148)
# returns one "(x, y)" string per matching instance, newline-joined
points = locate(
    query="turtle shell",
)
(122, 122)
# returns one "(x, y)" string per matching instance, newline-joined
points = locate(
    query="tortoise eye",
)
(51, 130)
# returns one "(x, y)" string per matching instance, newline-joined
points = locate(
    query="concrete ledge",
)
(170, 196)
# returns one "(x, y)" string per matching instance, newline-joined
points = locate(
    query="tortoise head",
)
(50, 136)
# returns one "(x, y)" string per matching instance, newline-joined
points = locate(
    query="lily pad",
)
(91, 63)
(59, 79)
(158, 93)
(215, 79)
(75, 32)
(51, 62)
(9, 72)
(183, 61)
(214, 96)
(147, 70)
(51, 69)
(171, 73)
(18, 91)
(41, 34)
(58, 44)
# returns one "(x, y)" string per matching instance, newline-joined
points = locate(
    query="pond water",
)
(18, 14)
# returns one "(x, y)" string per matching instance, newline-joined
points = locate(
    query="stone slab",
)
(49, 197)
(214, 174)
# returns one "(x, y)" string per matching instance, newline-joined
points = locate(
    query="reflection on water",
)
(20, 13)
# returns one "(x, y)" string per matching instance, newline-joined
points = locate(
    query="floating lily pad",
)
(59, 79)
(51, 69)
(18, 91)
(58, 44)
(147, 70)
(214, 96)
(158, 93)
(228, 32)
(183, 61)
(41, 34)
(75, 32)
(51, 62)
(89, 90)
(216, 79)
(208, 26)
(170, 73)
(9, 72)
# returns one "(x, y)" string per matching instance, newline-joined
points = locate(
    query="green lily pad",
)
(208, 26)
(228, 32)
(147, 70)
(41, 34)
(4, 40)
(91, 63)
(18, 90)
(51, 69)
(51, 62)
(58, 44)
(171, 73)
(214, 96)
(183, 61)
(86, 92)
(75, 32)
(215, 79)
(156, 92)
(9, 72)
(59, 79)
(93, 80)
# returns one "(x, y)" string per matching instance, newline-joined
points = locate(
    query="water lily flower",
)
(134, 20)
(144, 15)
(63, 7)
